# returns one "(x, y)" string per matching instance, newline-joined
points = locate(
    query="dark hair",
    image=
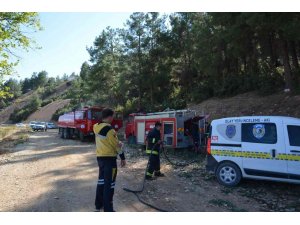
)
(107, 112)
(158, 124)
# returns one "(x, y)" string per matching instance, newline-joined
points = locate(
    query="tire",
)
(61, 132)
(228, 174)
(66, 133)
(81, 136)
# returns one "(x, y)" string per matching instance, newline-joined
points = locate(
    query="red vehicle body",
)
(176, 127)
(80, 122)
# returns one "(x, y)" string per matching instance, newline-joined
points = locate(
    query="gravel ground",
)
(47, 173)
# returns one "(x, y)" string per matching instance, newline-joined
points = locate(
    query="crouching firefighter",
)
(153, 150)
(107, 149)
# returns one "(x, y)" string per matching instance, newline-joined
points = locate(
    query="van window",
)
(264, 133)
(294, 135)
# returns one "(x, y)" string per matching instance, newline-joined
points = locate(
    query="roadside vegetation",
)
(9, 130)
(11, 136)
(5, 131)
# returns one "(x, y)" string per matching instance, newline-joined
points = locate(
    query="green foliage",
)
(159, 62)
(12, 89)
(14, 30)
(46, 102)
(15, 88)
(22, 114)
(166, 61)
(48, 90)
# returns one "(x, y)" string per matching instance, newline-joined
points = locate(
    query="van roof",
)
(257, 119)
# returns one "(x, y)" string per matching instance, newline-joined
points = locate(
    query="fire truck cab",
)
(176, 130)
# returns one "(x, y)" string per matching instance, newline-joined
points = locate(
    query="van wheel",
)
(228, 174)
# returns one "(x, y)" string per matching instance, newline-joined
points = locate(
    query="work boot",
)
(158, 174)
(149, 178)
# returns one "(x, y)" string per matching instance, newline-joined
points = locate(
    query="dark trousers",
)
(153, 165)
(106, 183)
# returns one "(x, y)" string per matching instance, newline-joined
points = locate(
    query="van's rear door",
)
(263, 145)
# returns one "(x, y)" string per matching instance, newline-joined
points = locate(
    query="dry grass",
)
(248, 104)
(11, 136)
(7, 131)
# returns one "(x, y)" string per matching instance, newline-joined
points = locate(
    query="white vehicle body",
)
(50, 125)
(32, 123)
(262, 147)
(39, 126)
(20, 125)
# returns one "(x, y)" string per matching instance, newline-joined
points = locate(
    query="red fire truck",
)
(177, 127)
(80, 122)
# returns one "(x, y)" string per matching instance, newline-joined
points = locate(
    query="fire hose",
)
(136, 192)
(177, 164)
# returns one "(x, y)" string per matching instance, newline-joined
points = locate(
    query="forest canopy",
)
(159, 61)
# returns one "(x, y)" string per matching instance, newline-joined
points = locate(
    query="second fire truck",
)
(177, 127)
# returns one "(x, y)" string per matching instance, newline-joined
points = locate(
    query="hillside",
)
(25, 99)
(250, 104)
(45, 113)
(18, 103)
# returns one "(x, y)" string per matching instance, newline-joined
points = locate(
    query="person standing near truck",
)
(153, 150)
(107, 149)
(195, 135)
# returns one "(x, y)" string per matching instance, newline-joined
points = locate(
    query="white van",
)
(257, 147)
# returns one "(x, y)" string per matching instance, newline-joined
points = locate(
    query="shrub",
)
(22, 114)
(47, 92)
(46, 102)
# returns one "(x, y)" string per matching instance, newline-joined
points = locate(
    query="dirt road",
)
(50, 174)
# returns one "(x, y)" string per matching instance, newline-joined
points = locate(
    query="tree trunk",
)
(151, 88)
(139, 78)
(272, 52)
(294, 55)
(286, 64)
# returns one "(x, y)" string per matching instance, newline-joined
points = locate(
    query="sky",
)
(63, 42)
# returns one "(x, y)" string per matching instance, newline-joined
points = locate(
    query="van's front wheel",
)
(228, 174)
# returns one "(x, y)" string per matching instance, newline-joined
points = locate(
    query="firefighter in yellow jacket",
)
(107, 149)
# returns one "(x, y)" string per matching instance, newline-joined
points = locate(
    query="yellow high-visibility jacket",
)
(107, 143)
